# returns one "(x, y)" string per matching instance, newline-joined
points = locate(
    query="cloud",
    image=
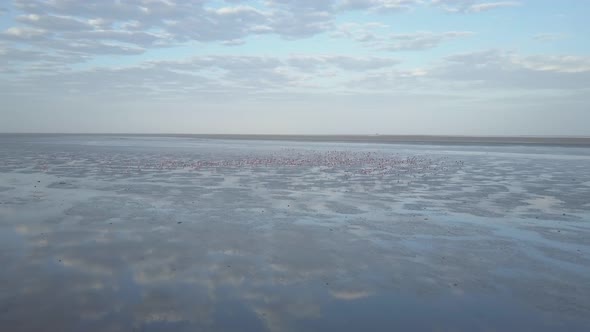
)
(92, 28)
(418, 41)
(222, 24)
(300, 18)
(350, 295)
(397, 81)
(8, 55)
(80, 31)
(555, 63)
(482, 7)
(507, 70)
(360, 32)
(23, 34)
(375, 35)
(77, 51)
(132, 38)
(491, 72)
(234, 42)
(472, 6)
(54, 23)
(549, 37)
(342, 62)
(126, 27)
(26, 62)
(211, 77)
(380, 6)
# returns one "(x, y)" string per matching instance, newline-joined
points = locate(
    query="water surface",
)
(141, 233)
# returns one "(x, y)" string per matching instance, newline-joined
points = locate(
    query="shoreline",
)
(379, 139)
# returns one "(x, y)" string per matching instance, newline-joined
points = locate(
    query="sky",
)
(397, 67)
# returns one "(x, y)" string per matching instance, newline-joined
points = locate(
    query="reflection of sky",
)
(155, 283)
(263, 251)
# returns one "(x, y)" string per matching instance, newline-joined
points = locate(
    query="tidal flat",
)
(181, 233)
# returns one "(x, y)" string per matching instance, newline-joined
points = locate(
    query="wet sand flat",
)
(219, 233)
(573, 141)
(414, 139)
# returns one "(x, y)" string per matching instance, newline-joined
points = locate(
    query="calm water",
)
(128, 233)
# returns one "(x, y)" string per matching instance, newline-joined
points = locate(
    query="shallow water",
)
(129, 233)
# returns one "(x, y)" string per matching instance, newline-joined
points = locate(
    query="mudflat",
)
(285, 233)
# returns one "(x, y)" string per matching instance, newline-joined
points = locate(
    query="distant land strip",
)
(382, 139)
(407, 139)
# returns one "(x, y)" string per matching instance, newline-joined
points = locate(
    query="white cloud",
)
(505, 70)
(419, 40)
(54, 23)
(373, 35)
(177, 20)
(555, 63)
(128, 27)
(23, 33)
(94, 50)
(381, 6)
(209, 77)
(254, 77)
(482, 7)
(360, 32)
(472, 6)
(350, 295)
(94, 28)
(549, 37)
(342, 62)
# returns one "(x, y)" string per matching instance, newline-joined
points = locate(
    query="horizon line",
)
(299, 135)
(566, 141)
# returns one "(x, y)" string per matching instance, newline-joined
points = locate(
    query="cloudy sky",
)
(464, 67)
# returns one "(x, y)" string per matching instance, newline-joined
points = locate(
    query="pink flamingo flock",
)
(359, 163)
